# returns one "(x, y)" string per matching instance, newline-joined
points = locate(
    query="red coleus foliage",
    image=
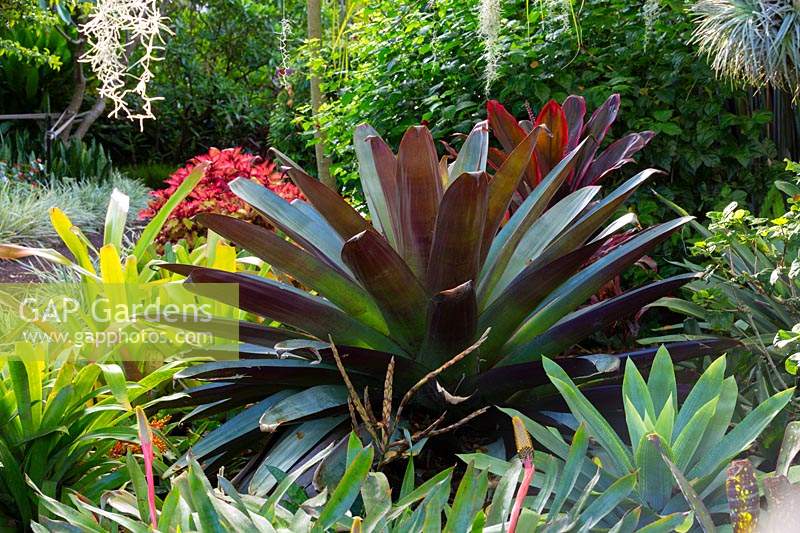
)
(213, 195)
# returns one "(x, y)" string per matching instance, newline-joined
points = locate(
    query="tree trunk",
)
(315, 36)
(78, 91)
(89, 118)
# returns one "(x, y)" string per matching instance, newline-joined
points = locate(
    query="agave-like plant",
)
(433, 268)
(567, 129)
(677, 450)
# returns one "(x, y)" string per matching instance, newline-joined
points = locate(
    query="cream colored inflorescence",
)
(489, 27)
(124, 38)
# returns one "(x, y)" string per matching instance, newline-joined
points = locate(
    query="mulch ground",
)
(18, 271)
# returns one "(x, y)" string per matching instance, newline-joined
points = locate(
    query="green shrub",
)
(749, 287)
(58, 425)
(362, 501)
(77, 160)
(414, 62)
(152, 175)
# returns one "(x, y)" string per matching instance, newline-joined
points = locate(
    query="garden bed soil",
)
(25, 270)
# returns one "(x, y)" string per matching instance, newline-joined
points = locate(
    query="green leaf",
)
(661, 381)
(139, 486)
(377, 496)
(473, 153)
(433, 506)
(628, 522)
(153, 227)
(742, 435)
(655, 480)
(468, 500)
(503, 496)
(606, 502)
(583, 410)
(85, 521)
(635, 390)
(377, 167)
(706, 388)
(116, 216)
(115, 379)
(540, 234)
(700, 511)
(790, 446)
(170, 511)
(687, 441)
(408, 478)
(420, 492)
(302, 404)
(575, 291)
(303, 224)
(339, 214)
(11, 475)
(721, 420)
(199, 497)
(507, 240)
(238, 426)
(346, 491)
(303, 266)
(666, 421)
(288, 452)
(572, 469)
(503, 184)
(665, 524)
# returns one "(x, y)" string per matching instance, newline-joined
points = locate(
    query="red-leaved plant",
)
(213, 195)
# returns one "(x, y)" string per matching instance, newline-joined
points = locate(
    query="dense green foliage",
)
(438, 504)
(410, 62)
(59, 424)
(76, 160)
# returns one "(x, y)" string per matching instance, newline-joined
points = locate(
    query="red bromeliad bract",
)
(567, 128)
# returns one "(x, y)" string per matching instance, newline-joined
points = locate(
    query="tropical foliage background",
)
(499, 266)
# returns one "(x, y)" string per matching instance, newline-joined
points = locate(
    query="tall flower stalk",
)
(146, 439)
(525, 453)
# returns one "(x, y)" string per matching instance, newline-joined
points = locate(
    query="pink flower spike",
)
(146, 439)
(525, 453)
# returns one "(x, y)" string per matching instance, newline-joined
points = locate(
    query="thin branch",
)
(431, 375)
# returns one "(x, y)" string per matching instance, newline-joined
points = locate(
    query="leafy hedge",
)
(413, 62)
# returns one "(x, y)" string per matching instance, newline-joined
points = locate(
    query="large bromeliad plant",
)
(437, 264)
